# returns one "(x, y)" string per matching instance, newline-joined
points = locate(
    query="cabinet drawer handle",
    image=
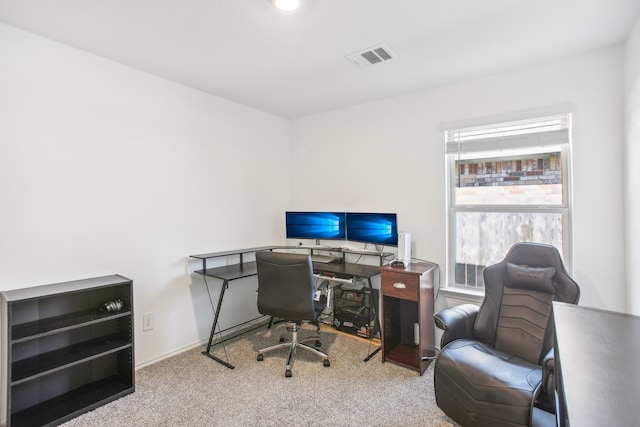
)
(399, 285)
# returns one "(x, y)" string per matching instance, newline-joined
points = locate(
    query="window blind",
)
(541, 131)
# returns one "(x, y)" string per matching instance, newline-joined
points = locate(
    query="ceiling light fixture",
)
(286, 5)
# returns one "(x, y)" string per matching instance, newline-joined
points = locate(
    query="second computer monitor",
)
(375, 228)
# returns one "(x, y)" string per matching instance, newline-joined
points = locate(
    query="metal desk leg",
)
(376, 323)
(207, 353)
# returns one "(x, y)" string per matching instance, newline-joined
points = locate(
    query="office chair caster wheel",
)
(287, 373)
(260, 357)
(318, 343)
(326, 363)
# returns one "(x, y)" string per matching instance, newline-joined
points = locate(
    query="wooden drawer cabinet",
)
(408, 334)
(401, 285)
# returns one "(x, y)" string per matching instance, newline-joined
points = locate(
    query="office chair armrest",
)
(456, 322)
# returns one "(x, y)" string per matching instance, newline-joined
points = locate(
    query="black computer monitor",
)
(375, 228)
(315, 225)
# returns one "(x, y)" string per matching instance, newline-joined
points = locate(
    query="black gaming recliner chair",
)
(496, 361)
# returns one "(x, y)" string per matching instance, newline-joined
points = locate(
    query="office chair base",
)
(293, 345)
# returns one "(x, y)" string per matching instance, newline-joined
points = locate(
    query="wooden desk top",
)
(598, 353)
(413, 268)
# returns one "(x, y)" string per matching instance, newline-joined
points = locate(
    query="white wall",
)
(389, 156)
(632, 159)
(104, 169)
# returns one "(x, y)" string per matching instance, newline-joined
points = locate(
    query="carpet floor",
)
(191, 389)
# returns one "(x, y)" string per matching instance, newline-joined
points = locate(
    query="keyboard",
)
(324, 259)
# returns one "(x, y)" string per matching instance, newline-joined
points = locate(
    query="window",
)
(507, 183)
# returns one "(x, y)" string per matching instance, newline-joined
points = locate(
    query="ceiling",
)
(294, 64)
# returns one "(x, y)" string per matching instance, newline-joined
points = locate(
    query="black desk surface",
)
(342, 270)
(599, 354)
(235, 252)
(311, 247)
(231, 272)
(346, 269)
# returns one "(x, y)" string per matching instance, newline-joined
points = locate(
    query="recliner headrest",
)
(534, 278)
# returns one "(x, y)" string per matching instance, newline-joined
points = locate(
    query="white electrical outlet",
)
(147, 321)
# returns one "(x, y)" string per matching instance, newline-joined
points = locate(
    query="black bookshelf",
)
(65, 355)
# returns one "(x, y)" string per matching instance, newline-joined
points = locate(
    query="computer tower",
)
(354, 311)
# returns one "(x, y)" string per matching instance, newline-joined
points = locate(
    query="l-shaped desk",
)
(343, 271)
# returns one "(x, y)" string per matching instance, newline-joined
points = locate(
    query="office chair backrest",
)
(515, 315)
(285, 285)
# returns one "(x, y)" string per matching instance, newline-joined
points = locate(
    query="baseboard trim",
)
(202, 342)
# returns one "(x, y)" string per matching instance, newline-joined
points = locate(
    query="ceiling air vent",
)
(373, 55)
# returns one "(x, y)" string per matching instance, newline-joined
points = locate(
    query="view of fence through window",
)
(506, 186)
(484, 237)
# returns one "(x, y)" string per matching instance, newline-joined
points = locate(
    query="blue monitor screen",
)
(376, 228)
(315, 225)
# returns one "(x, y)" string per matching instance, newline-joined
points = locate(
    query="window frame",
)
(564, 209)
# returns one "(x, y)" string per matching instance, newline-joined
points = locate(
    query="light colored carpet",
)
(191, 389)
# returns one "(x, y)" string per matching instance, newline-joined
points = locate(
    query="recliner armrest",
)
(548, 370)
(456, 322)
(549, 361)
(545, 398)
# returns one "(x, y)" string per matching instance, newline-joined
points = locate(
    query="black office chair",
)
(286, 290)
(496, 363)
